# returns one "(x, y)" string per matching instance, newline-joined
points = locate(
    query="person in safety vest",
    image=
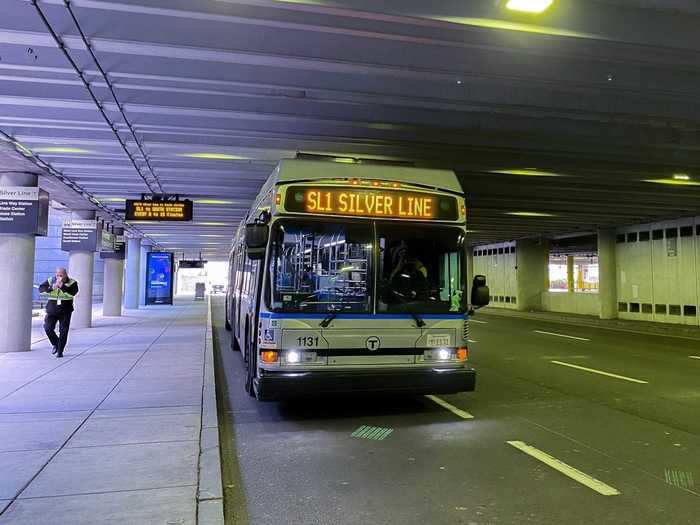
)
(60, 291)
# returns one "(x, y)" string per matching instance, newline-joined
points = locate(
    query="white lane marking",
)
(444, 404)
(477, 321)
(561, 335)
(594, 371)
(567, 470)
(694, 356)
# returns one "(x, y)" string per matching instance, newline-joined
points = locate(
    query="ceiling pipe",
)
(152, 183)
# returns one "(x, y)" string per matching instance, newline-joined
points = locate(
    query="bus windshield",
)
(321, 267)
(421, 269)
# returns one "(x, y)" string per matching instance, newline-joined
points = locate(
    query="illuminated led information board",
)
(158, 210)
(370, 202)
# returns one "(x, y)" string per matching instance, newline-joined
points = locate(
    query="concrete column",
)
(176, 272)
(114, 284)
(145, 248)
(17, 267)
(607, 274)
(531, 273)
(133, 271)
(570, 274)
(81, 267)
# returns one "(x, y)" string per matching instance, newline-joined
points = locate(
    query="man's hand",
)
(57, 284)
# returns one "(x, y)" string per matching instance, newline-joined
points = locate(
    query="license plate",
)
(438, 340)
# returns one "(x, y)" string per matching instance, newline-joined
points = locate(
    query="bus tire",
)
(227, 324)
(250, 367)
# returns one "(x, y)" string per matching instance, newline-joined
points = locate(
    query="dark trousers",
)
(63, 320)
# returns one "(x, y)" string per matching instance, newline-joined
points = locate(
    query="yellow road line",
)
(567, 470)
(561, 335)
(444, 404)
(594, 371)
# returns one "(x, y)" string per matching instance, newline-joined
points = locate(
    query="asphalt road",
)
(554, 439)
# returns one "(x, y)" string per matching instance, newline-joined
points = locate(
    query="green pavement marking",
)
(677, 478)
(373, 433)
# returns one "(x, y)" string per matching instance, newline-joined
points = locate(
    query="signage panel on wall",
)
(159, 278)
(159, 210)
(184, 263)
(118, 248)
(79, 235)
(24, 210)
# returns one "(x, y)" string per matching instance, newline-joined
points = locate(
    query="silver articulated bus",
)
(352, 277)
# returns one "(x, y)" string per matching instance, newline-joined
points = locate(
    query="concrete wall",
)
(49, 255)
(576, 303)
(497, 262)
(658, 272)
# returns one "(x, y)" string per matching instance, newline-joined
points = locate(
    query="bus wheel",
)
(250, 370)
(227, 325)
(235, 347)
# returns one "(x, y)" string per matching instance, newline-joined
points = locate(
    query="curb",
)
(210, 500)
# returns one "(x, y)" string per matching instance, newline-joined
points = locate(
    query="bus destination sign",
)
(158, 210)
(371, 202)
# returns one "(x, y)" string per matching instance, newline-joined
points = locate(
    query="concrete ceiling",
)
(566, 114)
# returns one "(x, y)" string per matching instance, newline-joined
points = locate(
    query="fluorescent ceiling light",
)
(213, 201)
(673, 182)
(212, 224)
(213, 156)
(111, 199)
(527, 172)
(681, 176)
(529, 6)
(62, 150)
(529, 214)
(344, 160)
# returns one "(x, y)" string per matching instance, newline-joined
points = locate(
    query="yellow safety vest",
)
(58, 294)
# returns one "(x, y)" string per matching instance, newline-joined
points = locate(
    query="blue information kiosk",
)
(159, 278)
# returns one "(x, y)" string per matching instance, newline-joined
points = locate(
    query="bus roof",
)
(294, 170)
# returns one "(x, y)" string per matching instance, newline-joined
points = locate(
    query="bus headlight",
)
(293, 357)
(438, 354)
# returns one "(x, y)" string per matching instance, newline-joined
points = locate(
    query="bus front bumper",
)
(278, 385)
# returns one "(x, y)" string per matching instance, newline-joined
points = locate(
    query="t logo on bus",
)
(373, 343)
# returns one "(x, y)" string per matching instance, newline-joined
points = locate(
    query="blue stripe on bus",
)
(271, 315)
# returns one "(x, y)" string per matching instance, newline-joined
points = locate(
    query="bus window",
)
(321, 267)
(421, 269)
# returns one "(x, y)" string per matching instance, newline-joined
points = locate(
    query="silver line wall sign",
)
(79, 235)
(24, 210)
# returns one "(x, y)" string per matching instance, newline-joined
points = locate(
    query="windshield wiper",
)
(328, 319)
(419, 322)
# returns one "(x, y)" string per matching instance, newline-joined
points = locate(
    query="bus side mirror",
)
(256, 235)
(480, 292)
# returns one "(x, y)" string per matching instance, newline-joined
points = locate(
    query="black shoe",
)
(55, 350)
(59, 354)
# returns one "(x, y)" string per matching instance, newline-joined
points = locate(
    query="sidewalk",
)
(622, 325)
(123, 429)
(38, 322)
